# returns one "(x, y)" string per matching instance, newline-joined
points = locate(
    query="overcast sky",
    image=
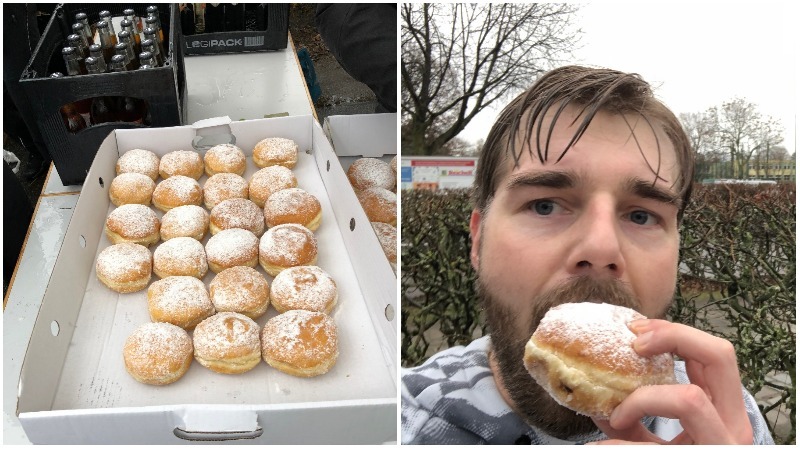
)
(696, 55)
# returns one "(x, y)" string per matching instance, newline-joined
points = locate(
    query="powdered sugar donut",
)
(379, 204)
(268, 181)
(230, 248)
(237, 213)
(371, 172)
(387, 236)
(276, 151)
(285, 246)
(181, 162)
(582, 355)
(181, 256)
(223, 186)
(133, 223)
(181, 301)
(242, 290)
(125, 267)
(293, 205)
(304, 287)
(140, 161)
(177, 190)
(185, 221)
(227, 342)
(225, 158)
(158, 353)
(130, 188)
(300, 343)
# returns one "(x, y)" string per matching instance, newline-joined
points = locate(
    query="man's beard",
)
(530, 400)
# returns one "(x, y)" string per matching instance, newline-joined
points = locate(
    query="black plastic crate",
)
(275, 36)
(162, 88)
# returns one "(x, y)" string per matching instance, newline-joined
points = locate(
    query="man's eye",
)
(642, 218)
(543, 207)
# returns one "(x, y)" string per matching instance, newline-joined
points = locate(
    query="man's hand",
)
(711, 409)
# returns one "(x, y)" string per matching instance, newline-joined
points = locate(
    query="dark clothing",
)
(17, 213)
(363, 39)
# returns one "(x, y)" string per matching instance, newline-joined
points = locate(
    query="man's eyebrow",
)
(556, 180)
(646, 189)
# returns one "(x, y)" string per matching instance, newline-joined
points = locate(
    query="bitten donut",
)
(227, 342)
(582, 355)
(130, 188)
(133, 223)
(379, 204)
(125, 267)
(304, 287)
(293, 205)
(181, 301)
(276, 151)
(387, 236)
(223, 186)
(181, 256)
(140, 161)
(285, 246)
(181, 162)
(268, 181)
(158, 353)
(225, 158)
(365, 173)
(300, 343)
(237, 213)
(242, 290)
(230, 248)
(185, 221)
(177, 190)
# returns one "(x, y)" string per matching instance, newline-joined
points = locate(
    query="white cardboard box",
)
(74, 387)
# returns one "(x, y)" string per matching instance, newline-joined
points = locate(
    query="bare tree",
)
(457, 59)
(742, 130)
(771, 136)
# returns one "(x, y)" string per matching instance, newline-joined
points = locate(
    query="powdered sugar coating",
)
(303, 287)
(223, 186)
(180, 300)
(158, 353)
(140, 161)
(365, 173)
(275, 151)
(225, 158)
(387, 236)
(180, 256)
(177, 190)
(379, 204)
(233, 247)
(184, 221)
(181, 162)
(133, 221)
(269, 180)
(299, 338)
(599, 333)
(240, 289)
(124, 262)
(131, 187)
(226, 334)
(288, 245)
(238, 213)
(293, 205)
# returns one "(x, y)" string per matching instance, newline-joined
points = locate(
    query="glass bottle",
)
(152, 22)
(96, 51)
(106, 41)
(130, 27)
(73, 61)
(105, 16)
(152, 11)
(78, 28)
(200, 18)
(101, 109)
(187, 19)
(124, 37)
(150, 33)
(74, 40)
(148, 45)
(130, 14)
(73, 121)
(87, 28)
(130, 109)
(147, 59)
(122, 49)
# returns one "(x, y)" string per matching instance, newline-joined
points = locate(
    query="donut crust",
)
(130, 188)
(227, 342)
(276, 151)
(242, 290)
(133, 223)
(182, 301)
(304, 287)
(225, 158)
(181, 162)
(125, 267)
(231, 248)
(158, 353)
(237, 213)
(181, 256)
(300, 343)
(185, 221)
(293, 205)
(138, 161)
(178, 190)
(285, 246)
(268, 181)
(380, 205)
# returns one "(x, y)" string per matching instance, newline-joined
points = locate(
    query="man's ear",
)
(475, 234)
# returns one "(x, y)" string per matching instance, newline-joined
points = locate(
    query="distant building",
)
(785, 170)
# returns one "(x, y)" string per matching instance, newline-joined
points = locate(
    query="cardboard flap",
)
(205, 420)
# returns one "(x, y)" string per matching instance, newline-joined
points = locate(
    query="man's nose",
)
(597, 247)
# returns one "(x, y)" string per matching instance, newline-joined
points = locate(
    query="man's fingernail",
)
(638, 325)
(641, 342)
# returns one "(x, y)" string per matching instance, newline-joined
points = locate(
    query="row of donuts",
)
(375, 184)
(224, 250)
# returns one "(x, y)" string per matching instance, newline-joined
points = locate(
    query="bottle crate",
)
(267, 28)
